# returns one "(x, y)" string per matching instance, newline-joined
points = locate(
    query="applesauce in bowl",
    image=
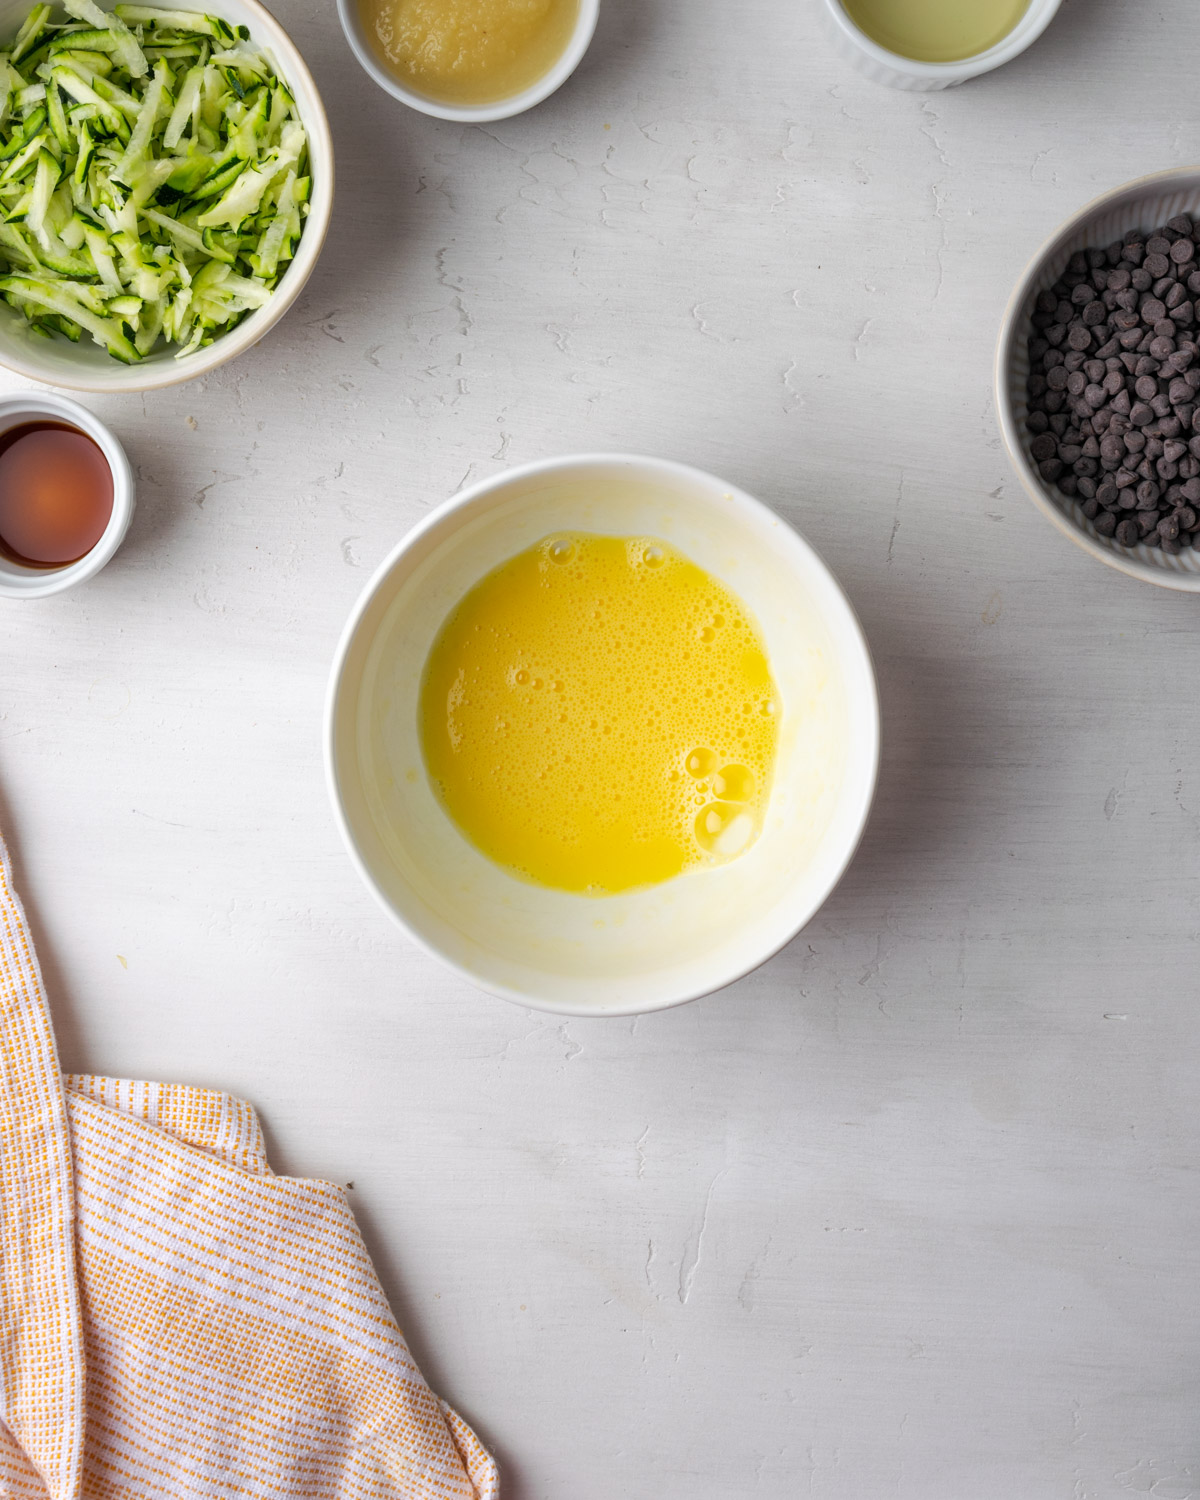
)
(469, 60)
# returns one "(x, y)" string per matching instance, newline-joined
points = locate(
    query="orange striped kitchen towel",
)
(175, 1320)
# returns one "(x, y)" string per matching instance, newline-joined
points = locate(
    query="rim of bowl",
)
(465, 498)
(479, 114)
(268, 32)
(1037, 17)
(46, 581)
(1133, 567)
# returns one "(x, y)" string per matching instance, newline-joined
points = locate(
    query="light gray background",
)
(912, 1211)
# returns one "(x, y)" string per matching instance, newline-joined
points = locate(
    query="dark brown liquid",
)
(56, 494)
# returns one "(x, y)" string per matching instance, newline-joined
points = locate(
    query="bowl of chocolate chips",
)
(1098, 379)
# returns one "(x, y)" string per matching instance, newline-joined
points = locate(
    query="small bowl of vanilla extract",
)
(66, 495)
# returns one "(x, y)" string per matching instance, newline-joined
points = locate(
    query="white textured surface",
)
(912, 1211)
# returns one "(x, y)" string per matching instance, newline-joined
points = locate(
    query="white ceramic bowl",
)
(17, 582)
(85, 366)
(899, 72)
(478, 114)
(1144, 203)
(642, 950)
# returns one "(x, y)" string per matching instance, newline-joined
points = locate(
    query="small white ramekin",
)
(17, 582)
(899, 72)
(479, 114)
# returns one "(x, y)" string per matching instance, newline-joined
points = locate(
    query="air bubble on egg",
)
(734, 784)
(701, 763)
(723, 829)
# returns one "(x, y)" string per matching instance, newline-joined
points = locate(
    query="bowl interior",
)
(643, 949)
(1037, 16)
(1144, 204)
(85, 365)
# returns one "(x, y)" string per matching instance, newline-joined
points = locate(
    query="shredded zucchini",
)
(153, 176)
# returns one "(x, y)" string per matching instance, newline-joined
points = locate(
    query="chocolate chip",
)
(1156, 264)
(1127, 532)
(1181, 251)
(1147, 495)
(1105, 523)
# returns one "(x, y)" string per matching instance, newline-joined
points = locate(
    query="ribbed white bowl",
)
(898, 72)
(1145, 203)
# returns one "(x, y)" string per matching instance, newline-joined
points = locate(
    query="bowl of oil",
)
(926, 45)
(469, 60)
(602, 734)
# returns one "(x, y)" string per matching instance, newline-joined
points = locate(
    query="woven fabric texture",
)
(176, 1320)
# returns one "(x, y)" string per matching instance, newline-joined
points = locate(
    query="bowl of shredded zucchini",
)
(166, 181)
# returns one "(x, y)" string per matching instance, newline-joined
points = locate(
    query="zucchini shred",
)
(154, 177)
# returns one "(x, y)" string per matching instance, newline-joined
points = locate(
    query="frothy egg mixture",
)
(598, 714)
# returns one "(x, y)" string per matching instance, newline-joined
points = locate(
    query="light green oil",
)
(936, 31)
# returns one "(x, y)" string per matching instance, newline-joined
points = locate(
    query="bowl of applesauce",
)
(602, 734)
(469, 60)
